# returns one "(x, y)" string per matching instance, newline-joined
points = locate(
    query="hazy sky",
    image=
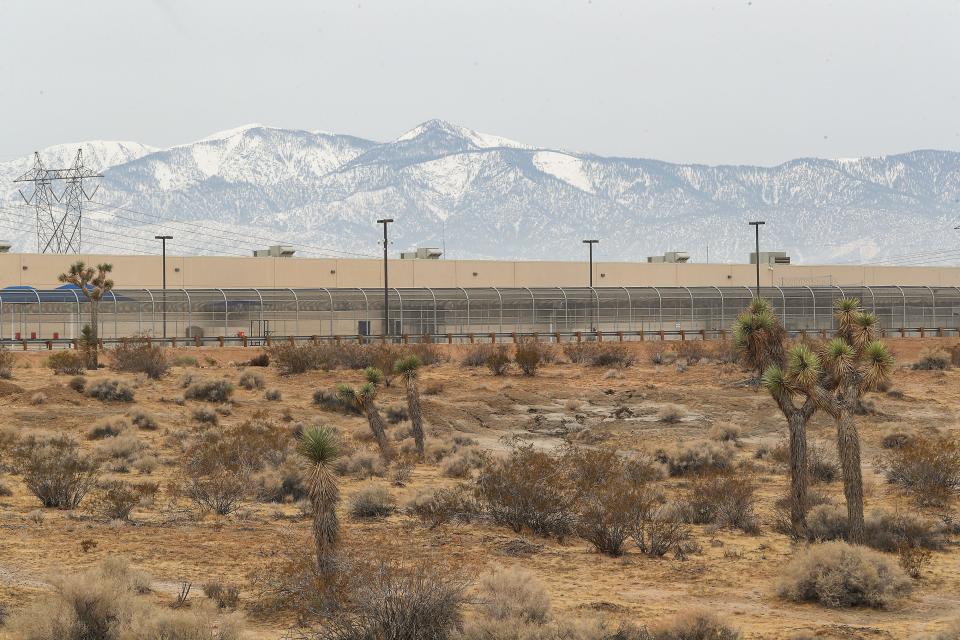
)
(716, 82)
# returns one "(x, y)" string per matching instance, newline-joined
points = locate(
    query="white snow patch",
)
(229, 133)
(477, 139)
(564, 167)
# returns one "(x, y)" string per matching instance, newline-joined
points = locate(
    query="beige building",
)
(198, 272)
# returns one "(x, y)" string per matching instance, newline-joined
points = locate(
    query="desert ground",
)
(642, 407)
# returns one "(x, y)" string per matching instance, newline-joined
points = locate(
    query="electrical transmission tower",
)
(59, 217)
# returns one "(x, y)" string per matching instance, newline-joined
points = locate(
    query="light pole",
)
(163, 240)
(756, 226)
(386, 297)
(590, 244)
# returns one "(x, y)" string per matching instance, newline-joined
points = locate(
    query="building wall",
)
(41, 271)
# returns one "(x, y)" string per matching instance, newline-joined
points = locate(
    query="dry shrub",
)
(272, 395)
(726, 432)
(722, 500)
(184, 361)
(896, 437)
(5, 490)
(417, 602)
(362, 465)
(7, 361)
(298, 358)
(281, 483)
(525, 490)
(111, 390)
(143, 420)
(498, 360)
(477, 355)
(108, 428)
(693, 625)
(444, 506)
(528, 355)
(609, 514)
(260, 360)
(225, 595)
(836, 574)
(396, 415)
(513, 594)
(599, 354)
(660, 532)
(209, 391)
(700, 458)
(927, 467)
(217, 464)
(463, 463)
(55, 470)
(428, 353)
(933, 360)
(372, 502)
(913, 560)
(203, 415)
(139, 356)
(332, 401)
(251, 380)
(115, 500)
(103, 604)
(821, 466)
(885, 530)
(38, 398)
(67, 362)
(78, 383)
(693, 351)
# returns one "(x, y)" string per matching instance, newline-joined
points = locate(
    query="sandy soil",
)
(734, 574)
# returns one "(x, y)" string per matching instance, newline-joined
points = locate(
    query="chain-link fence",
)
(27, 313)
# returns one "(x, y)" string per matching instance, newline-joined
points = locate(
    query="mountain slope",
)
(487, 196)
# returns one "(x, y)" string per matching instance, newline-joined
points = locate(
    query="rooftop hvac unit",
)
(422, 253)
(671, 257)
(276, 251)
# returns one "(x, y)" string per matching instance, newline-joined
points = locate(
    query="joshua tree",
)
(318, 446)
(853, 363)
(93, 283)
(365, 399)
(408, 368)
(834, 381)
(760, 338)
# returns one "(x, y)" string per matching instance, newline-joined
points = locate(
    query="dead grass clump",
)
(933, 360)
(55, 470)
(700, 458)
(599, 354)
(498, 360)
(693, 625)
(926, 467)
(836, 574)
(143, 420)
(272, 395)
(184, 361)
(513, 594)
(38, 398)
(120, 451)
(104, 604)
(209, 391)
(671, 414)
(5, 490)
(372, 502)
(111, 390)
(108, 428)
(726, 432)
(333, 401)
(722, 500)
(139, 355)
(443, 506)
(67, 362)
(251, 380)
(524, 491)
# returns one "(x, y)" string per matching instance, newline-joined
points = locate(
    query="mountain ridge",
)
(485, 196)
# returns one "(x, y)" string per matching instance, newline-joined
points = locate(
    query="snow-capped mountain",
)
(485, 196)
